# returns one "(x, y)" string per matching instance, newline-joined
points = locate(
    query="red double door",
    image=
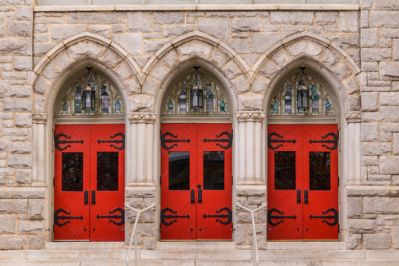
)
(89, 182)
(196, 181)
(303, 182)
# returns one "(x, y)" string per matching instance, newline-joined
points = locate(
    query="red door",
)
(303, 182)
(89, 182)
(196, 181)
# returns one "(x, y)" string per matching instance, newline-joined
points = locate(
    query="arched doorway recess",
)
(89, 159)
(196, 158)
(303, 159)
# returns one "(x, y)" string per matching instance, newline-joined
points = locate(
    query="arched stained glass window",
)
(302, 94)
(89, 94)
(196, 93)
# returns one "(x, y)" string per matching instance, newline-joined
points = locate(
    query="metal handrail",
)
(255, 260)
(138, 211)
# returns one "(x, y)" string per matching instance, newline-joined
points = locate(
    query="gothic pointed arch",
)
(74, 54)
(329, 61)
(188, 49)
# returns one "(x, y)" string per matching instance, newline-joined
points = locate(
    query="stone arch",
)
(71, 55)
(200, 48)
(329, 61)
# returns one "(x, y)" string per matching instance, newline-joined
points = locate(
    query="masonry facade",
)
(355, 48)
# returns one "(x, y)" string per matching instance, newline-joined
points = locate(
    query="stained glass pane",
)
(78, 99)
(72, 171)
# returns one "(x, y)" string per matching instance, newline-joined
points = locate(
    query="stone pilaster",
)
(40, 142)
(352, 152)
(250, 124)
(143, 162)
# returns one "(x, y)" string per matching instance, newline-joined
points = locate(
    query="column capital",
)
(39, 118)
(142, 117)
(250, 116)
(353, 117)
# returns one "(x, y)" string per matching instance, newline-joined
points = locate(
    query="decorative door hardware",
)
(280, 216)
(173, 216)
(86, 197)
(298, 196)
(192, 196)
(228, 140)
(58, 141)
(219, 214)
(59, 214)
(199, 194)
(164, 140)
(93, 197)
(329, 214)
(306, 196)
(271, 140)
(120, 142)
(117, 213)
(332, 144)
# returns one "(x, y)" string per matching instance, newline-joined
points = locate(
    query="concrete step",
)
(195, 245)
(85, 246)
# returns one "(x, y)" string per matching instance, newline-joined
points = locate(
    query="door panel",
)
(196, 181)
(214, 220)
(178, 212)
(315, 198)
(107, 183)
(284, 205)
(320, 179)
(89, 182)
(71, 183)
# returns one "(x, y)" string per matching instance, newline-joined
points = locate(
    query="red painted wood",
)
(285, 200)
(196, 227)
(90, 228)
(107, 201)
(303, 227)
(72, 201)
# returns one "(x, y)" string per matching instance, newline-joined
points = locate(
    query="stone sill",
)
(249, 7)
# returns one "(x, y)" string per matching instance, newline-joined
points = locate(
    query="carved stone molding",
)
(250, 116)
(142, 117)
(353, 117)
(39, 118)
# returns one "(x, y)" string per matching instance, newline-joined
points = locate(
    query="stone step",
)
(195, 245)
(85, 246)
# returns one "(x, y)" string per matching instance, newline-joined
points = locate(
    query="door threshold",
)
(299, 245)
(85, 245)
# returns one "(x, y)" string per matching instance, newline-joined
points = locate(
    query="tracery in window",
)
(197, 93)
(90, 94)
(302, 94)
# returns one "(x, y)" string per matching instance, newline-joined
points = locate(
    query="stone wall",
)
(237, 44)
(373, 208)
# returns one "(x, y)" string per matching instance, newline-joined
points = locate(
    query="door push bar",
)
(173, 139)
(61, 139)
(192, 196)
(271, 140)
(199, 194)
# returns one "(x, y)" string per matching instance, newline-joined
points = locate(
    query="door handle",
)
(298, 196)
(306, 196)
(86, 197)
(199, 194)
(192, 196)
(93, 197)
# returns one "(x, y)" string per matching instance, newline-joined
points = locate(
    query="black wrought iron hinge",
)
(173, 139)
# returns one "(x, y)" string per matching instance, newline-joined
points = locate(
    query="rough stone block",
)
(23, 63)
(348, 22)
(20, 160)
(369, 101)
(369, 37)
(376, 241)
(261, 41)
(138, 22)
(17, 206)
(62, 32)
(383, 205)
(384, 19)
(216, 27)
(168, 17)
(11, 242)
(23, 120)
(389, 70)
(361, 225)
(354, 207)
(389, 165)
(245, 24)
(131, 42)
(25, 226)
(294, 18)
(7, 224)
(17, 104)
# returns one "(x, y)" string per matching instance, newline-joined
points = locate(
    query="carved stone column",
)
(39, 148)
(250, 124)
(251, 187)
(142, 148)
(352, 148)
